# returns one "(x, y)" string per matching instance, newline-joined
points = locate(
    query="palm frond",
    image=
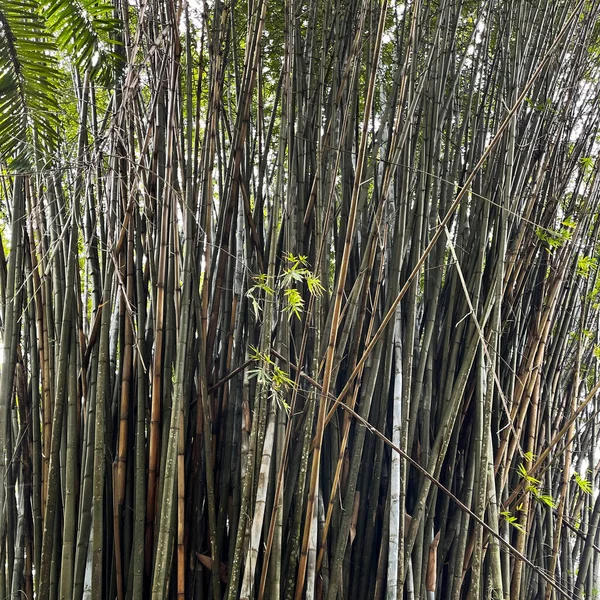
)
(84, 29)
(27, 80)
(32, 34)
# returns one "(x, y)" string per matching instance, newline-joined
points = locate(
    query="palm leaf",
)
(28, 95)
(31, 37)
(85, 29)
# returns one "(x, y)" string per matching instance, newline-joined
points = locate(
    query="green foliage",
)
(269, 375)
(539, 106)
(594, 293)
(32, 37)
(295, 272)
(545, 498)
(295, 303)
(261, 284)
(523, 473)
(533, 487)
(556, 239)
(512, 520)
(587, 164)
(28, 70)
(586, 265)
(584, 484)
(93, 23)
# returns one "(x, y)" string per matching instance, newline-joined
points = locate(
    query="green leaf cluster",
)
(268, 374)
(554, 239)
(585, 485)
(34, 38)
(586, 265)
(28, 71)
(295, 272)
(512, 520)
(533, 487)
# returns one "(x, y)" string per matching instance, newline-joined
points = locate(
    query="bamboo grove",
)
(300, 299)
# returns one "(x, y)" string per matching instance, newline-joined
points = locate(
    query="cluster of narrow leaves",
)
(300, 299)
(34, 36)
